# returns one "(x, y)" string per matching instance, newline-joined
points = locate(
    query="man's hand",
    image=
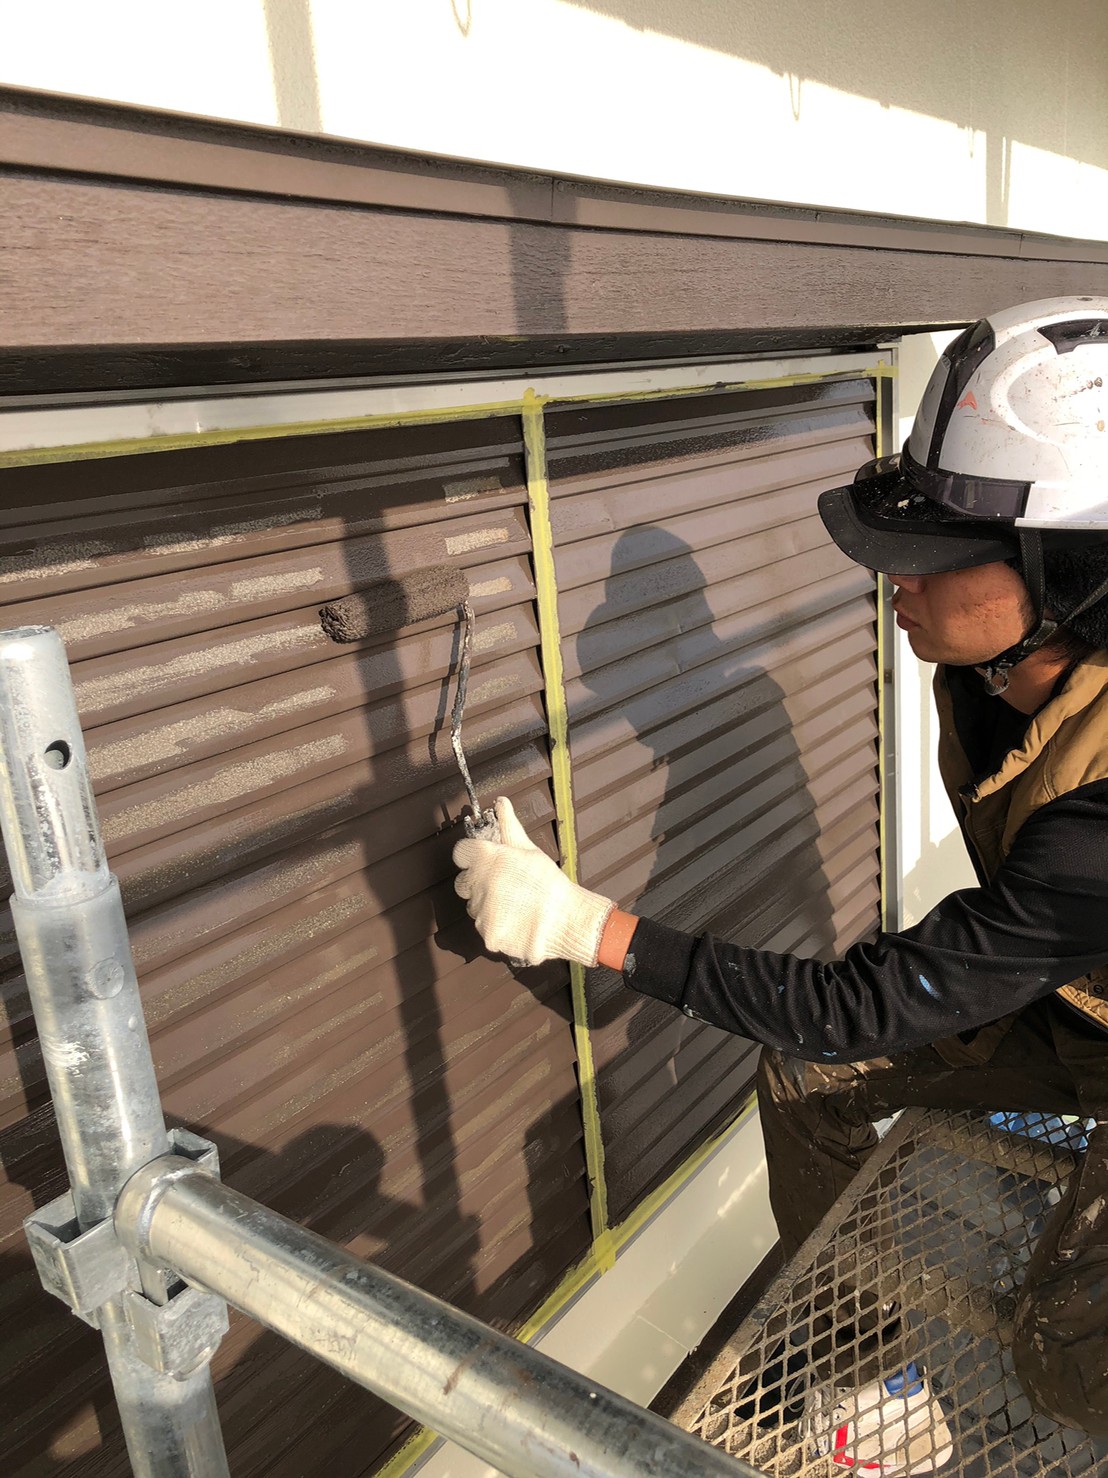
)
(522, 902)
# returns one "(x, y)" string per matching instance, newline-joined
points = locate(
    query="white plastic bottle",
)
(890, 1426)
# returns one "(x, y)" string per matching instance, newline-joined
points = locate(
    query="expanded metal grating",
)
(939, 1225)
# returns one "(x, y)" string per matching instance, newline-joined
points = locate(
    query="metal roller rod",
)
(526, 1414)
(81, 980)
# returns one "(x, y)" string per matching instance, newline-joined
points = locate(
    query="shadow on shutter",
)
(280, 811)
(720, 670)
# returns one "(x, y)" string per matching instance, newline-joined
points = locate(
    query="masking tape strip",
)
(557, 719)
(584, 1273)
(884, 434)
(228, 436)
(586, 1270)
(604, 1247)
(401, 1461)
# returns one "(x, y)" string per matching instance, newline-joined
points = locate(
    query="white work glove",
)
(522, 902)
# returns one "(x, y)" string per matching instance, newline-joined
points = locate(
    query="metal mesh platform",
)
(938, 1226)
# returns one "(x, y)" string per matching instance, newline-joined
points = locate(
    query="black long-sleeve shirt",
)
(982, 953)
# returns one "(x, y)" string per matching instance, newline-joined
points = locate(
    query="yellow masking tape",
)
(228, 436)
(884, 435)
(586, 1270)
(582, 1274)
(557, 719)
(400, 1462)
(684, 1172)
(723, 387)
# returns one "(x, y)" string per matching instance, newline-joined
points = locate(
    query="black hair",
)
(1072, 574)
(1069, 646)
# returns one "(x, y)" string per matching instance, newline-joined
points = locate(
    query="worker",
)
(992, 526)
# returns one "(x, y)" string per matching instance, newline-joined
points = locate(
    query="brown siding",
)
(278, 810)
(719, 656)
(146, 250)
(119, 221)
(86, 263)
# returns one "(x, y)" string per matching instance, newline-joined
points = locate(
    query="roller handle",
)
(484, 826)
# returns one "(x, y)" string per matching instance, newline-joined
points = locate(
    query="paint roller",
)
(388, 605)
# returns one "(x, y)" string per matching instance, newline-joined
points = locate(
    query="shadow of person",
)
(467, 1031)
(694, 809)
(412, 777)
(60, 1409)
(406, 991)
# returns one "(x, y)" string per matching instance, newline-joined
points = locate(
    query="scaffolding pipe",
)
(510, 1405)
(155, 1217)
(81, 980)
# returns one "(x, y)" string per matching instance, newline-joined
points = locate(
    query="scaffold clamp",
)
(176, 1326)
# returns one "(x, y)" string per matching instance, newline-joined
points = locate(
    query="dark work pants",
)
(818, 1118)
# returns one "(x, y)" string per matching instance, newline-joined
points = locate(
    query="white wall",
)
(932, 858)
(992, 112)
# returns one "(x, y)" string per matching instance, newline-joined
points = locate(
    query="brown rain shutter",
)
(276, 808)
(720, 677)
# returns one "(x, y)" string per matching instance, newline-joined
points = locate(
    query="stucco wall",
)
(989, 113)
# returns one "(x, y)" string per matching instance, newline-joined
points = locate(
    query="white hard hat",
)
(1008, 459)
(1011, 434)
(1013, 424)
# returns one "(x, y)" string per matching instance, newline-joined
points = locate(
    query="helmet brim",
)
(885, 524)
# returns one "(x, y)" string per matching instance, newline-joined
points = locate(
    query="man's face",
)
(964, 617)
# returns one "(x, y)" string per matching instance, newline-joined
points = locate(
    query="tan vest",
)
(1066, 746)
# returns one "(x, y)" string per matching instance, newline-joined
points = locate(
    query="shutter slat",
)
(120, 684)
(281, 812)
(721, 685)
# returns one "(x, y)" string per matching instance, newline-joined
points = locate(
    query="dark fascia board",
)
(122, 371)
(49, 132)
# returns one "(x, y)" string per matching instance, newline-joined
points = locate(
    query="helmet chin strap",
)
(1032, 567)
(996, 670)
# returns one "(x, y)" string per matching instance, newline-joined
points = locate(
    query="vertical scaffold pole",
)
(81, 980)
